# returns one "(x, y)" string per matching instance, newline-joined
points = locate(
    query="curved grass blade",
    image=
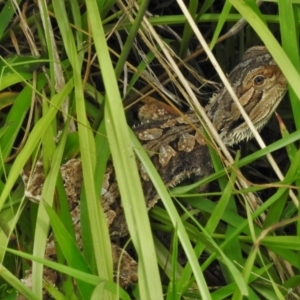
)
(125, 167)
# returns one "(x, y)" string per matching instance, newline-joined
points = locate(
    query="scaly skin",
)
(175, 143)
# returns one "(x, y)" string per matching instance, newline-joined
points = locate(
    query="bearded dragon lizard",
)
(175, 143)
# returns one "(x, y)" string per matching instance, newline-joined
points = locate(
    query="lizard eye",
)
(259, 80)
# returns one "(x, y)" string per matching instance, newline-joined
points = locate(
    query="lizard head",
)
(259, 85)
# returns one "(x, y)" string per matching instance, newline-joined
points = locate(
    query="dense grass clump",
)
(75, 72)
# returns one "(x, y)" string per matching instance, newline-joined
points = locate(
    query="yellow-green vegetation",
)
(75, 69)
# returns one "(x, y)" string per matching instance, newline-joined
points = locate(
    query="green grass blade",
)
(288, 17)
(101, 242)
(33, 140)
(88, 278)
(42, 225)
(176, 221)
(125, 167)
(70, 250)
(17, 284)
